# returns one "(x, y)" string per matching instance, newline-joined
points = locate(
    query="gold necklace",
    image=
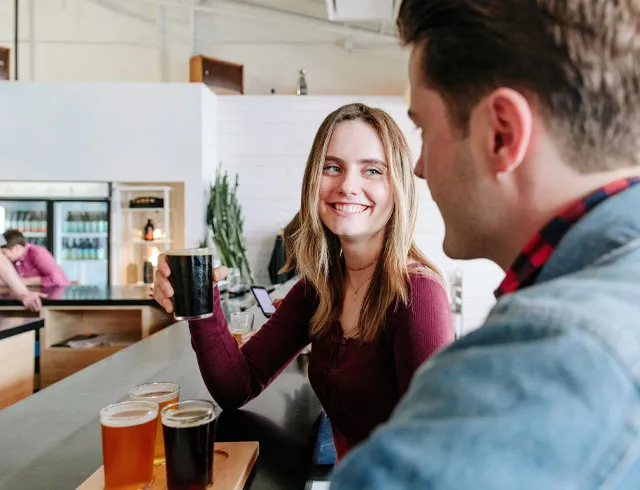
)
(355, 290)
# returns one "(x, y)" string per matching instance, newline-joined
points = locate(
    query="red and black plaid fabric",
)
(526, 267)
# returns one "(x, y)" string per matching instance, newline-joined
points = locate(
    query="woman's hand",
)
(31, 300)
(162, 289)
(245, 338)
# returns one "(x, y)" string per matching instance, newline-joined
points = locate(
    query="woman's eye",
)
(373, 171)
(331, 168)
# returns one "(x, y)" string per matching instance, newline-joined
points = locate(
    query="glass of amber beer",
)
(128, 438)
(163, 394)
(189, 432)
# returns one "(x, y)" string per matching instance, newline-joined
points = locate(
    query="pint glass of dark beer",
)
(189, 432)
(128, 439)
(192, 281)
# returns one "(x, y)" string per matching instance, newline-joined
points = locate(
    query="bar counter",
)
(51, 440)
(17, 342)
(125, 313)
(134, 295)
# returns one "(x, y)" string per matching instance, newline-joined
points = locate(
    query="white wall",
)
(118, 40)
(106, 132)
(267, 139)
(179, 133)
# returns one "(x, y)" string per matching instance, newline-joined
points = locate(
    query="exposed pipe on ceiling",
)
(252, 11)
(32, 40)
(15, 38)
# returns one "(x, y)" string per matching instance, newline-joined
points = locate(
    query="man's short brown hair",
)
(12, 238)
(578, 60)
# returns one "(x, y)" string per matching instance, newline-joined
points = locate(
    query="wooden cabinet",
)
(16, 375)
(223, 77)
(133, 323)
(4, 63)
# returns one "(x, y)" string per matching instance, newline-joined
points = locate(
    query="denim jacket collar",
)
(612, 224)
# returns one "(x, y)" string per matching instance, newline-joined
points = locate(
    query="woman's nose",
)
(350, 183)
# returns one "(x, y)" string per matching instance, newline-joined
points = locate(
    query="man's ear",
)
(505, 118)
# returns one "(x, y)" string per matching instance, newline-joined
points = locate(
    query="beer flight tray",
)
(232, 464)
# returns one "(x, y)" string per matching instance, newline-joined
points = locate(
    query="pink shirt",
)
(37, 261)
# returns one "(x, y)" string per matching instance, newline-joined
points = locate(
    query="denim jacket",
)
(545, 395)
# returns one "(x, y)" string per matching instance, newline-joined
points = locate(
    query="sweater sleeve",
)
(236, 375)
(421, 328)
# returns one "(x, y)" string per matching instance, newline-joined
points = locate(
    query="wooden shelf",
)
(222, 77)
(59, 362)
(142, 210)
(143, 242)
(64, 322)
(5, 62)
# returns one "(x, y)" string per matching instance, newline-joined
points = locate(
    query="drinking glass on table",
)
(241, 324)
(163, 394)
(128, 439)
(189, 433)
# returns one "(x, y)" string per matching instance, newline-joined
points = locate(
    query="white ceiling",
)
(318, 9)
(264, 21)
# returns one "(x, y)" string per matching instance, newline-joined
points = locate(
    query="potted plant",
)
(224, 217)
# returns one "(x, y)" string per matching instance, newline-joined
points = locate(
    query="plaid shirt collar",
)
(535, 254)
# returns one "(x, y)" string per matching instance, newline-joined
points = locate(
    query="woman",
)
(370, 303)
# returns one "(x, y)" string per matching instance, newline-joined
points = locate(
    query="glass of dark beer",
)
(192, 281)
(189, 432)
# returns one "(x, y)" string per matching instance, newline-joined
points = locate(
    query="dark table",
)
(88, 296)
(15, 325)
(51, 440)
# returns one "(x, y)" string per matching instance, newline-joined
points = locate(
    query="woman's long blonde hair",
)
(318, 250)
(288, 235)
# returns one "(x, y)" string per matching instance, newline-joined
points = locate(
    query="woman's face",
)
(356, 195)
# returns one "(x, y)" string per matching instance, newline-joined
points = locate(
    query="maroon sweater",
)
(357, 383)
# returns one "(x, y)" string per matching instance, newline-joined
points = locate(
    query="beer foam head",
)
(187, 414)
(156, 392)
(187, 252)
(128, 414)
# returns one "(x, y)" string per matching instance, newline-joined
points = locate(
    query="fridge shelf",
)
(34, 233)
(80, 261)
(84, 234)
(143, 210)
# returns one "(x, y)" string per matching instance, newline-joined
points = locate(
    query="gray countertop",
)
(51, 440)
(132, 295)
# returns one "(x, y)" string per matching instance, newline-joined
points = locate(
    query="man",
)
(530, 120)
(34, 263)
(8, 276)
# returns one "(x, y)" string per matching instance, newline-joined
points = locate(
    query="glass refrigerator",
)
(71, 220)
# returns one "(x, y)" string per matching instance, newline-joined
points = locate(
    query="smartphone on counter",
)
(264, 300)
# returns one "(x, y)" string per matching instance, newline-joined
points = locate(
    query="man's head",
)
(14, 245)
(520, 102)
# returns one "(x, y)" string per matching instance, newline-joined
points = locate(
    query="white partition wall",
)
(128, 132)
